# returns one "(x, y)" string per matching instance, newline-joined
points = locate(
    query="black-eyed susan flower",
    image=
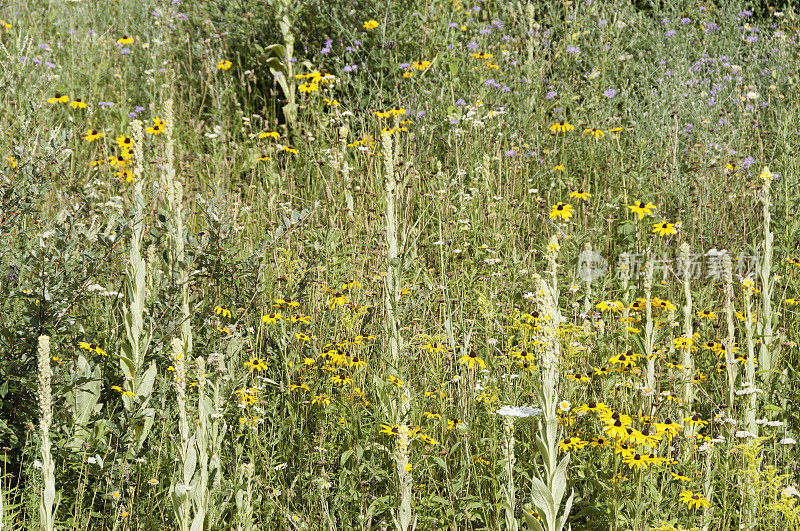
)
(571, 443)
(664, 229)
(256, 364)
(93, 134)
(78, 103)
(390, 429)
(683, 342)
(304, 319)
(454, 423)
(322, 400)
(596, 133)
(395, 380)
(125, 40)
(580, 194)
(223, 312)
(668, 428)
(224, 64)
(92, 347)
(341, 379)
(693, 500)
(678, 477)
(642, 209)
(561, 210)
(371, 24)
(635, 461)
(123, 392)
(302, 337)
(591, 407)
(695, 420)
(124, 142)
(471, 359)
(610, 306)
(58, 98)
(271, 318)
(706, 314)
(155, 129)
(124, 176)
(616, 430)
(309, 86)
(561, 127)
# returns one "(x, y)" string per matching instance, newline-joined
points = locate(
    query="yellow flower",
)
(390, 430)
(219, 310)
(561, 210)
(471, 359)
(322, 400)
(93, 134)
(125, 40)
(271, 134)
(580, 194)
(395, 380)
(642, 209)
(256, 364)
(706, 314)
(693, 500)
(271, 318)
(664, 228)
(78, 104)
(341, 379)
(309, 87)
(124, 175)
(596, 133)
(122, 391)
(224, 65)
(371, 24)
(420, 65)
(58, 98)
(561, 127)
(635, 461)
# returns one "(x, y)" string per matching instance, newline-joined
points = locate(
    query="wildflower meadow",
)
(403, 265)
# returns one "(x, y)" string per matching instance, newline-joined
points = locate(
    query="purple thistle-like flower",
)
(125, 51)
(609, 93)
(749, 161)
(670, 33)
(573, 50)
(460, 102)
(550, 95)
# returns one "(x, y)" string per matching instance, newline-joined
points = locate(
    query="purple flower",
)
(573, 49)
(511, 152)
(132, 115)
(670, 33)
(183, 16)
(48, 64)
(138, 108)
(23, 59)
(460, 102)
(609, 93)
(486, 31)
(752, 38)
(125, 51)
(420, 114)
(453, 25)
(472, 46)
(686, 21)
(105, 104)
(550, 95)
(72, 32)
(749, 161)
(327, 48)
(405, 65)
(665, 21)
(350, 68)
(356, 43)
(37, 61)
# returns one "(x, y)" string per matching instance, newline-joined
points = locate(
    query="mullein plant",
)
(175, 227)
(749, 386)
(550, 483)
(766, 361)
(731, 367)
(186, 453)
(48, 498)
(649, 332)
(686, 359)
(404, 515)
(137, 341)
(200, 495)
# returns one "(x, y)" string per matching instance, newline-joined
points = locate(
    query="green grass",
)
(688, 122)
